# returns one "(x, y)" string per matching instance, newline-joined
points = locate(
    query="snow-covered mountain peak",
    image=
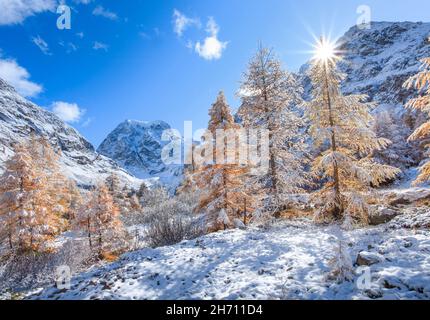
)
(137, 146)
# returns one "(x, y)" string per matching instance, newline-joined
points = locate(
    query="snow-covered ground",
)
(287, 261)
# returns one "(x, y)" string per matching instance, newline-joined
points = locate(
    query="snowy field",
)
(287, 261)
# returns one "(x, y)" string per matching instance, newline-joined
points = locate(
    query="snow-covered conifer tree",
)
(400, 153)
(221, 179)
(421, 82)
(101, 223)
(56, 185)
(341, 126)
(270, 96)
(25, 213)
(75, 200)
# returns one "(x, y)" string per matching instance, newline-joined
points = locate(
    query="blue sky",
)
(138, 59)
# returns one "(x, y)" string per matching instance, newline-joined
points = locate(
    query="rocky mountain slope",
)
(20, 117)
(137, 147)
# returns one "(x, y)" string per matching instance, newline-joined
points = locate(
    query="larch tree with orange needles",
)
(421, 82)
(222, 178)
(25, 213)
(100, 220)
(341, 125)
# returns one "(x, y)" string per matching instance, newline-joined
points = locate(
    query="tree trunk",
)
(89, 233)
(10, 240)
(339, 210)
(272, 162)
(244, 212)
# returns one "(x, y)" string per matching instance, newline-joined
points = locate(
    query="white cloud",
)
(181, 22)
(100, 46)
(87, 122)
(100, 11)
(80, 35)
(211, 48)
(68, 112)
(144, 35)
(18, 77)
(69, 46)
(41, 44)
(83, 1)
(16, 11)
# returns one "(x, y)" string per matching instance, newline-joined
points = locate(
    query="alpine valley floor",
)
(290, 260)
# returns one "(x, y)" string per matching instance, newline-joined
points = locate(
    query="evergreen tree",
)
(221, 179)
(270, 97)
(400, 152)
(25, 213)
(75, 200)
(101, 222)
(341, 126)
(142, 190)
(56, 185)
(421, 82)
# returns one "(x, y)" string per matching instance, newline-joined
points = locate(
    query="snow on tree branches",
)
(221, 179)
(341, 127)
(421, 82)
(101, 223)
(29, 211)
(270, 97)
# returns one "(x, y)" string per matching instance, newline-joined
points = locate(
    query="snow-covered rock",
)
(381, 214)
(137, 146)
(20, 117)
(368, 258)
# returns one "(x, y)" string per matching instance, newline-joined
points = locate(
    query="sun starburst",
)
(325, 51)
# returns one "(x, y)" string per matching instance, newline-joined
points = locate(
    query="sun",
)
(325, 51)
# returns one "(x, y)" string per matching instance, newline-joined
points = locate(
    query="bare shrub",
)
(23, 272)
(172, 221)
(149, 199)
(167, 229)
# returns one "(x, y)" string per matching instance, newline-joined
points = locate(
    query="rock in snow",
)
(368, 258)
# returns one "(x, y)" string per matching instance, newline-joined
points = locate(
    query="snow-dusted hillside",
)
(20, 117)
(137, 146)
(289, 261)
(380, 59)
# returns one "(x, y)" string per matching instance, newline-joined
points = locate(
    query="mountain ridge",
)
(20, 117)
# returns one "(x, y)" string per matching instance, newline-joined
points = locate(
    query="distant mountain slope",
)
(136, 146)
(20, 117)
(379, 60)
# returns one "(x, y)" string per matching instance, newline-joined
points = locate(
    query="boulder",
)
(383, 215)
(368, 258)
